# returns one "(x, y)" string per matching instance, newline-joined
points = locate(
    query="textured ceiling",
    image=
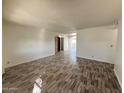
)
(62, 15)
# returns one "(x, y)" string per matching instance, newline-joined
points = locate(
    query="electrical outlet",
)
(8, 62)
(111, 45)
(92, 56)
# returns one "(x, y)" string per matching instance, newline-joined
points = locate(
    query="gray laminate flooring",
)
(62, 73)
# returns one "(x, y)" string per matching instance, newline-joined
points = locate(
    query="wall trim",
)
(6, 68)
(100, 60)
(118, 78)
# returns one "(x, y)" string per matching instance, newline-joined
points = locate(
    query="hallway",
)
(60, 73)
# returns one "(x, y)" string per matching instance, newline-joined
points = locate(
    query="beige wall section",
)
(23, 44)
(95, 43)
(118, 55)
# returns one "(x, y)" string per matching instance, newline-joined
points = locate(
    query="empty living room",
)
(61, 46)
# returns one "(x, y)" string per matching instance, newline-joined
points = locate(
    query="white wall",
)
(66, 43)
(69, 42)
(94, 43)
(23, 44)
(118, 55)
(72, 43)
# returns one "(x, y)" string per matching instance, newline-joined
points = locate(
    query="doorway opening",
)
(66, 43)
(72, 46)
(59, 44)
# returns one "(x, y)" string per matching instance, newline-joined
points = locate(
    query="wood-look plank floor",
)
(62, 74)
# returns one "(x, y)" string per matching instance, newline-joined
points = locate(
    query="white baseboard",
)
(118, 78)
(26, 61)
